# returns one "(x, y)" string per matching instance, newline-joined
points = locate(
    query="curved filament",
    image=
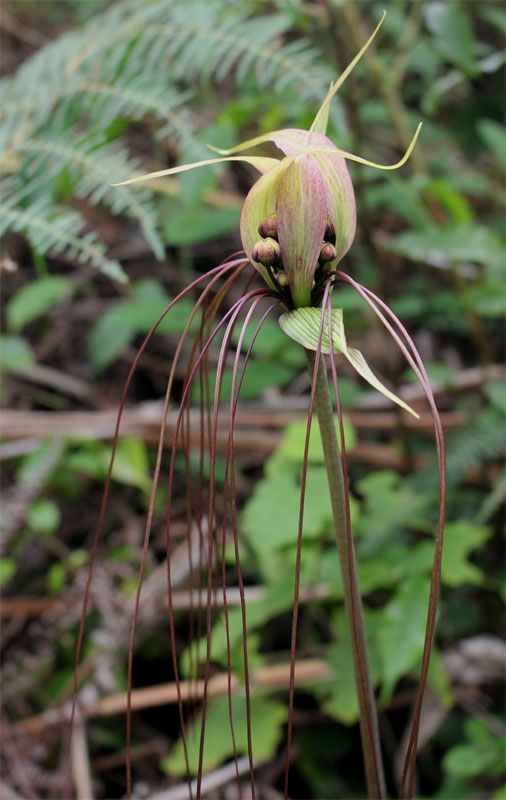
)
(337, 85)
(229, 467)
(202, 355)
(296, 591)
(201, 301)
(411, 354)
(215, 273)
(224, 349)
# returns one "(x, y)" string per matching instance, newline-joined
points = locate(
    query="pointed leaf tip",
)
(261, 163)
(337, 85)
(303, 326)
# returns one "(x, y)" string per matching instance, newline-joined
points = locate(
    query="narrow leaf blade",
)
(303, 325)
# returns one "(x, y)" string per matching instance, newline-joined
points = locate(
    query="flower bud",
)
(309, 197)
(266, 252)
(269, 227)
(327, 253)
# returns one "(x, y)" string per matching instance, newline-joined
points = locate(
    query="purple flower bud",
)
(269, 228)
(327, 253)
(311, 195)
(266, 252)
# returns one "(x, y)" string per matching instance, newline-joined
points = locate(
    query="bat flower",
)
(298, 220)
(297, 223)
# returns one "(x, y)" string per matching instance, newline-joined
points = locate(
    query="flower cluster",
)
(310, 196)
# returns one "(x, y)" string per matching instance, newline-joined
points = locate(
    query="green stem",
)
(354, 611)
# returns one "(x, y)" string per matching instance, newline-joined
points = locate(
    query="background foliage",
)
(99, 91)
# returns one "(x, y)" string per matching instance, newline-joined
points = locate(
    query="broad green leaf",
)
(461, 538)
(483, 754)
(185, 226)
(292, 446)
(56, 577)
(115, 329)
(439, 679)
(402, 197)
(267, 720)
(495, 15)
(384, 571)
(437, 372)
(303, 325)
(486, 299)
(271, 516)
(453, 34)
(109, 336)
(494, 499)
(35, 462)
(78, 558)
(277, 599)
(342, 701)
(451, 199)
(278, 570)
(400, 632)
(457, 243)
(123, 552)
(15, 354)
(495, 391)
(131, 465)
(390, 505)
(7, 569)
(43, 516)
(35, 299)
(494, 136)
(261, 374)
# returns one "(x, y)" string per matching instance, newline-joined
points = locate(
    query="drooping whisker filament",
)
(297, 223)
(415, 361)
(229, 320)
(232, 267)
(230, 473)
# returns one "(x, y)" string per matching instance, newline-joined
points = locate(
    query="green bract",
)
(299, 218)
(303, 326)
(310, 192)
(307, 190)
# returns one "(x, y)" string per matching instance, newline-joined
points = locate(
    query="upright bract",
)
(308, 193)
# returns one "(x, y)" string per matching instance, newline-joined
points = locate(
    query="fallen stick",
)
(272, 677)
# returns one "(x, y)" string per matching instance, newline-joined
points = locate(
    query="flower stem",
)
(354, 611)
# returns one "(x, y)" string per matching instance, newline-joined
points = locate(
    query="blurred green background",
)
(96, 91)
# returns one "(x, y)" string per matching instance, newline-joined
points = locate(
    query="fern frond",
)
(29, 96)
(130, 62)
(494, 500)
(481, 441)
(249, 48)
(53, 232)
(127, 60)
(93, 168)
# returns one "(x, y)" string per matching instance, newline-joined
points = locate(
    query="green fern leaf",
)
(93, 168)
(54, 232)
